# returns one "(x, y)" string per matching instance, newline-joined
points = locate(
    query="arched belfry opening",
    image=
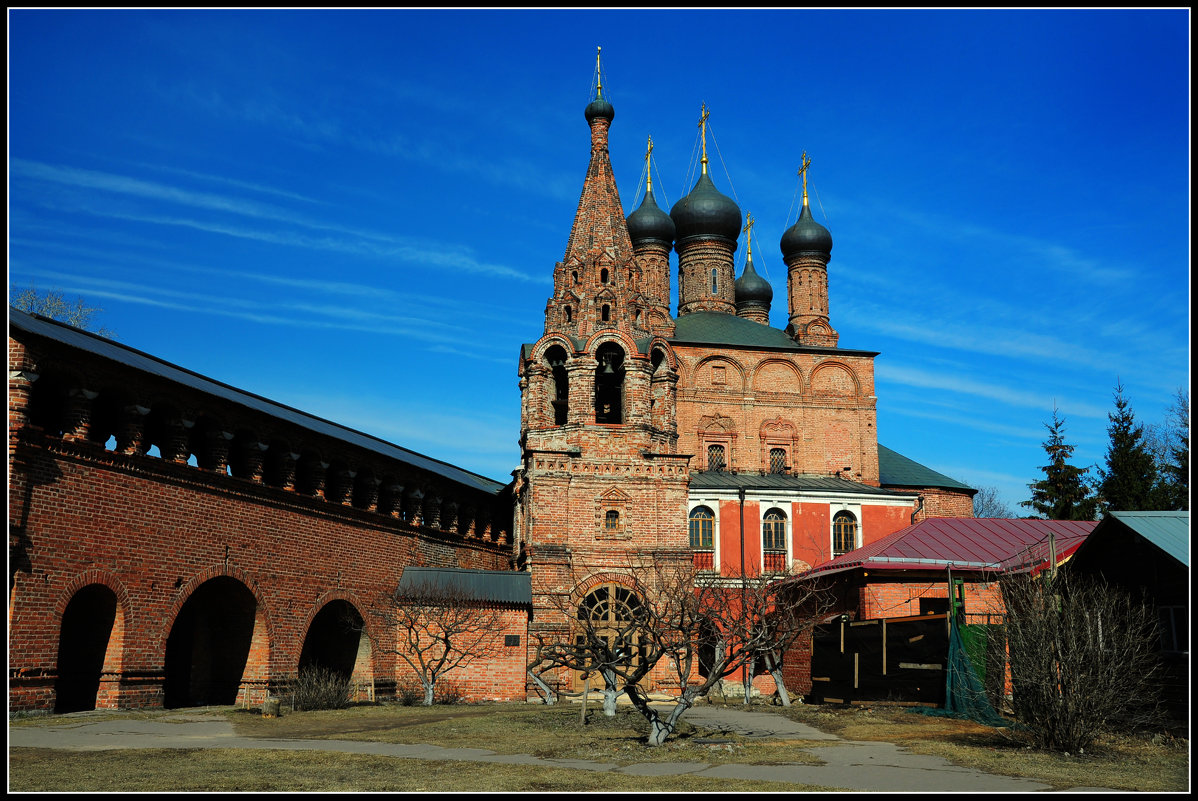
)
(609, 384)
(560, 397)
(83, 645)
(337, 641)
(209, 645)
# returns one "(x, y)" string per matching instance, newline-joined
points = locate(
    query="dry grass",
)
(231, 770)
(1119, 762)
(548, 732)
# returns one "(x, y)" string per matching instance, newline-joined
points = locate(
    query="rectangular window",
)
(715, 457)
(777, 460)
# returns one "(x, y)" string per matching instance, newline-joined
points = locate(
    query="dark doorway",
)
(83, 641)
(334, 639)
(209, 645)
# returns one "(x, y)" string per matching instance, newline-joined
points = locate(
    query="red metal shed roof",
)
(966, 543)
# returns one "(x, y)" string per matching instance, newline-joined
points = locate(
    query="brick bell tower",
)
(600, 477)
(806, 250)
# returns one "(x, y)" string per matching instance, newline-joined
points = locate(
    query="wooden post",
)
(586, 690)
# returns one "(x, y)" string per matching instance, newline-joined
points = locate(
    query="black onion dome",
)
(751, 287)
(706, 212)
(806, 236)
(649, 223)
(599, 108)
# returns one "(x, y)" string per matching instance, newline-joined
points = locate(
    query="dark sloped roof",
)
(967, 543)
(896, 470)
(483, 586)
(1169, 531)
(713, 479)
(716, 328)
(152, 365)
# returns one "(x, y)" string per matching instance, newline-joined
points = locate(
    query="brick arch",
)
(828, 378)
(721, 359)
(613, 335)
(188, 589)
(587, 585)
(108, 692)
(538, 350)
(372, 630)
(771, 375)
(256, 674)
(663, 344)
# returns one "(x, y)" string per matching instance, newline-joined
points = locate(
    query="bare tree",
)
(1082, 656)
(705, 627)
(52, 304)
(988, 503)
(440, 629)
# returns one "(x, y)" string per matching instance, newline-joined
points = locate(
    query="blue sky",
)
(358, 213)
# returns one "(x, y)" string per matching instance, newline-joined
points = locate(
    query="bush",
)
(1083, 659)
(447, 692)
(409, 693)
(320, 688)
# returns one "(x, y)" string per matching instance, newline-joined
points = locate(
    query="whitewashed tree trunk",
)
(611, 691)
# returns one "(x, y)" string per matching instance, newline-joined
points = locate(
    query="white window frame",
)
(787, 510)
(714, 505)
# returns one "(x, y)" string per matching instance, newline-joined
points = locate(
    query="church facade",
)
(710, 435)
(153, 511)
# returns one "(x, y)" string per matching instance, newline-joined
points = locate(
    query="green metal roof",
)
(1169, 531)
(484, 586)
(725, 480)
(716, 328)
(896, 470)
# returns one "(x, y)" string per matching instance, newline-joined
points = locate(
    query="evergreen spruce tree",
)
(1129, 482)
(1063, 493)
(1174, 468)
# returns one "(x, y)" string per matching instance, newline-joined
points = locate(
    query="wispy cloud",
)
(1003, 394)
(354, 241)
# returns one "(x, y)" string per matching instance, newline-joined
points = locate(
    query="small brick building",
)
(174, 540)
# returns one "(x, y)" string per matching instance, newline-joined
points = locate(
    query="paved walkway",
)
(850, 765)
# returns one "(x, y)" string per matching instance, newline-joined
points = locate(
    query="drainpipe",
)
(744, 667)
(918, 509)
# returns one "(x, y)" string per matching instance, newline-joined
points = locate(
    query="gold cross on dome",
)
(748, 231)
(803, 173)
(648, 170)
(703, 115)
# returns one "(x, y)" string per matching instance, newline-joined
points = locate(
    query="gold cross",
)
(803, 173)
(648, 169)
(748, 231)
(598, 72)
(703, 115)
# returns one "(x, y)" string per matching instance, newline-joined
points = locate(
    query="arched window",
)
(777, 460)
(575, 274)
(556, 356)
(611, 520)
(773, 530)
(609, 384)
(773, 541)
(569, 315)
(715, 285)
(702, 528)
(608, 615)
(844, 533)
(603, 276)
(606, 313)
(715, 458)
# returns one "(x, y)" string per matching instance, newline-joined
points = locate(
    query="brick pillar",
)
(254, 453)
(20, 384)
(449, 516)
(129, 441)
(580, 372)
(413, 502)
(217, 444)
(175, 449)
(370, 493)
(79, 414)
(665, 399)
(287, 462)
(391, 500)
(432, 511)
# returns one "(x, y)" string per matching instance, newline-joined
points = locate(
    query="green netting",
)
(964, 693)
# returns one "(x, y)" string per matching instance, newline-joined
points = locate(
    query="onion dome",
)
(806, 236)
(599, 108)
(706, 213)
(650, 224)
(751, 287)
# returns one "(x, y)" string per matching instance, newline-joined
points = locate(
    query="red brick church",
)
(174, 540)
